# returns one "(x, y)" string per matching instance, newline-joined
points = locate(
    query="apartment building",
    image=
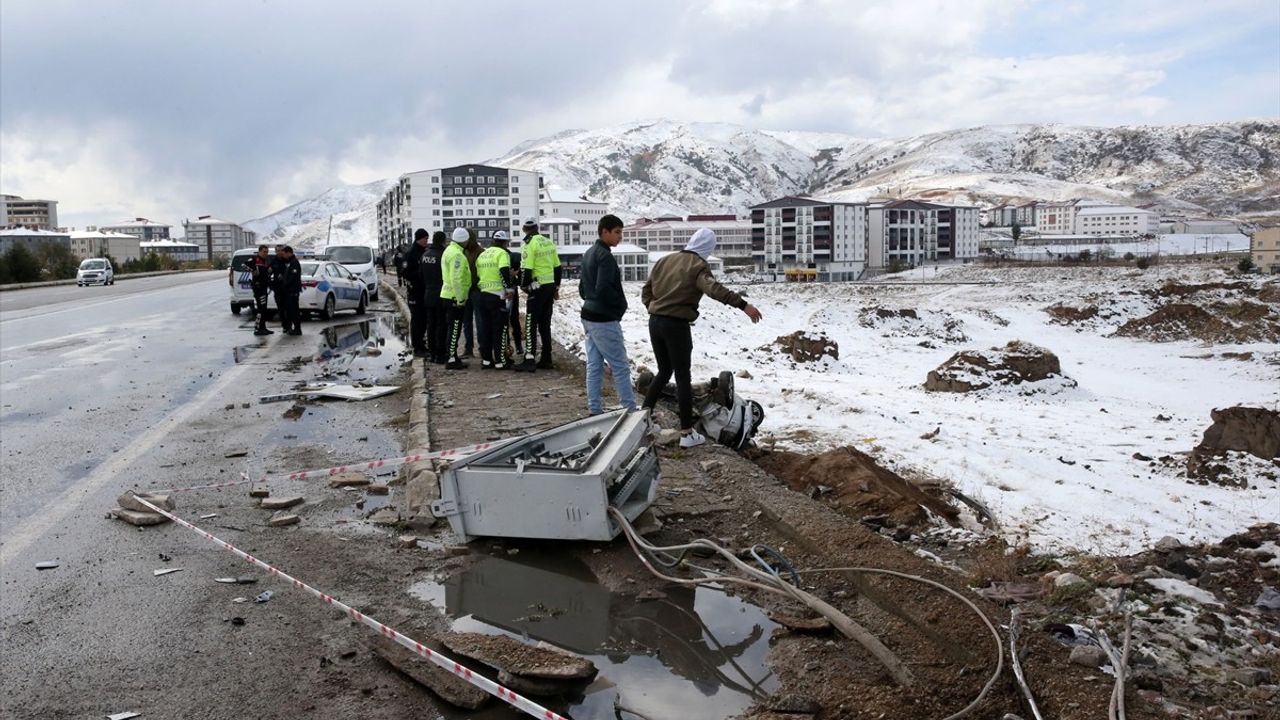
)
(564, 231)
(733, 235)
(804, 238)
(1114, 221)
(31, 214)
(558, 202)
(96, 243)
(1026, 214)
(1264, 248)
(957, 231)
(217, 237)
(141, 228)
(1056, 218)
(32, 239)
(485, 197)
(633, 261)
(180, 251)
(999, 216)
(902, 233)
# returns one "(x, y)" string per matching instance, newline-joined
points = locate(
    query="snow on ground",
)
(1175, 244)
(1056, 468)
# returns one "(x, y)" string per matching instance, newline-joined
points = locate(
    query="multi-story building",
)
(733, 235)
(95, 243)
(484, 197)
(19, 212)
(32, 239)
(1056, 218)
(141, 228)
(804, 238)
(556, 202)
(181, 251)
(217, 237)
(633, 261)
(999, 216)
(1264, 248)
(957, 232)
(1206, 227)
(564, 231)
(1026, 214)
(1114, 221)
(902, 233)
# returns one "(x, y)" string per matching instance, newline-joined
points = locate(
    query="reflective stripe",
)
(489, 268)
(456, 273)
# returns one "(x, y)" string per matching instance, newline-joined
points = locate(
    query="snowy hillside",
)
(307, 224)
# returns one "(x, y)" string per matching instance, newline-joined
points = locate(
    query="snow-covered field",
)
(1174, 244)
(1009, 450)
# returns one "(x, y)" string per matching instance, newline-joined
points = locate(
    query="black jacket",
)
(291, 277)
(431, 276)
(260, 274)
(600, 285)
(411, 262)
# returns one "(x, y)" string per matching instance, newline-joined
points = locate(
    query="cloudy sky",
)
(236, 108)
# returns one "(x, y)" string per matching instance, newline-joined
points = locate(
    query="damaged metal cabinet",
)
(557, 484)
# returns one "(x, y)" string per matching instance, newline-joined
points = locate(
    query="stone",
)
(280, 503)
(1249, 677)
(348, 479)
(1168, 544)
(259, 492)
(408, 541)
(423, 487)
(457, 550)
(129, 501)
(448, 686)
(666, 437)
(507, 653)
(1067, 580)
(1088, 656)
(710, 465)
(1120, 580)
(744, 374)
(647, 523)
(536, 686)
(385, 516)
(133, 517)
(282, 519)
(793, 704)
(378, 489)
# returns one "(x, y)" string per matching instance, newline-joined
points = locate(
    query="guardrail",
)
(130, 276)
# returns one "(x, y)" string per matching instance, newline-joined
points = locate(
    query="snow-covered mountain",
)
(644, 169)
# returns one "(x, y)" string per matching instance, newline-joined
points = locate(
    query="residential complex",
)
(664, 234)
(559, 203)
(217, 237)
(95, 243)
(1265, 250)
(181, 251)
(18, 212)
(141, 228)
(1114, 220)
(481, 196)
(32, 239)
(633, 261)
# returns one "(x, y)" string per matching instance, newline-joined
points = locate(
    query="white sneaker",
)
(691, 439)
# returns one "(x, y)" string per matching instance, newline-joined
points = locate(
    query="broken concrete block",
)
(348, 479)
(133, 517)
(507, 653)
(408, 541)
(710, 465)
(378, 489)
(449, 687)
(129, 501)
(385, 516)
(280, 503)
(282, 519)
(537, 686)
(259, 492)
(422, 489)
(1087, 655)
(667, 437)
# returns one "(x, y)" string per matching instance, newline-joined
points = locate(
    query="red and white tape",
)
(339, 469)
(502, 693)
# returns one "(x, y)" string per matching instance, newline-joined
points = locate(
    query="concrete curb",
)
(422, 485)
(130, 276)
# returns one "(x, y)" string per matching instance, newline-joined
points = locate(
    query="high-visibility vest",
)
(539, 260)
(456, 273)
(489, 269)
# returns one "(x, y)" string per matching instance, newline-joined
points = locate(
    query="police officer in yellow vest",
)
(493, 273)
(540, 268)
(455, 271)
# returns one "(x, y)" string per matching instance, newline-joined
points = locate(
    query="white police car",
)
(359, 260)
(238, 277)
(328, 287)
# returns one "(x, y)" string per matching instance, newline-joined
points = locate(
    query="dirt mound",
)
(1015, 364)
(805, 346)
(1243, 321)
(1176, 289)
(1248, 429)
(855, 484)
(1068, 315)
(913, 323)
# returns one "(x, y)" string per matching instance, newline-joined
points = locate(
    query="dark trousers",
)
(537, 321)
(290, 315)
(453, 316)
(517, 332)
(417, 325)
(673, 349)
(437, 332)
(491, 321)
(260, 302)
(471, 320)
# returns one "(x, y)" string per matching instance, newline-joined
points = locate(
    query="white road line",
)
(70, 500)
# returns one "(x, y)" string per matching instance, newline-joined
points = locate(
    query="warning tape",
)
(339, 469)
(502, 693)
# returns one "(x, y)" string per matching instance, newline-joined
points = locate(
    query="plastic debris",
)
(166, 571)
(123, 716)
(264, 596)
(46, 565)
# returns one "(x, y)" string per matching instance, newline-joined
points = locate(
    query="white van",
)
(95, 271)
(241, 287)
(359, 259)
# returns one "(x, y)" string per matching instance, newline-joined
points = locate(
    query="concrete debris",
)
(349, 479)
(259, 492)
(264, 596)
(1168, 544)
(408, 541)
(129, 501)
(248, 580)
(281, 519)
(667, 437)
(378, 489)
(422, 488)
(235, 453)
(134, 517)
(457, 550)
(449, 687)
(537, 686)
(801, 624)
(280, 503)
(647, 523)
(123, 716)
(209, 516)
(385, 516)
(1067, 580)
(46, 565)
(506, 653)
(165, 571)
(744, 374)
(1088, 655)
(710, 465)
(1250, 676)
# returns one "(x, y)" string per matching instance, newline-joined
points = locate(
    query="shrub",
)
(1246, 264)
(1143, 263)
(1128, 257)
(18, 265)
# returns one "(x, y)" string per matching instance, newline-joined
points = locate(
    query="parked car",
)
(238, 277)
(359, 259)
(328, 287)
(95, 271)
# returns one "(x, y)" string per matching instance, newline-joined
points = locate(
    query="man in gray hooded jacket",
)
(671, 294)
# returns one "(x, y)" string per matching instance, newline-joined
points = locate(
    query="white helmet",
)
(460, 235)
(501, 235)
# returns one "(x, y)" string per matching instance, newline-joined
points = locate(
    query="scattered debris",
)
(408, 541)
(280, 503)
(259, 492)
(133, 517)
(349, 479)
(449, 687)
(46, 565)
(123, 716)
(744, 374)
(210, 516)
(129, 501)
(507, 653)
(247, 580)
(385, 516)
(931, 435)
(237, 621)
(235, 453)
(817, 624)
(281, 519)
(264, 596)
(333, 391)
(166, 571)
(378, 489)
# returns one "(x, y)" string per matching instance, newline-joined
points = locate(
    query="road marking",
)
(83, 306)
(56, 511)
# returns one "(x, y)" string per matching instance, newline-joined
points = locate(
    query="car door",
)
(345, 289)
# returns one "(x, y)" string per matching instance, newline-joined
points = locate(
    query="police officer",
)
(437, 326)
(517, 331)
(455, 272)
(260, 280)
(412, 263)
(540, 269)
(290, 289)
(494, 280)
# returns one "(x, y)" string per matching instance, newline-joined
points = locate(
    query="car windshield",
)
(350, 255)
(310, 268)
(93, 265)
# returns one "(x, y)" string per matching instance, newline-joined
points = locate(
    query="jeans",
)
(604, 344)
(673, 349)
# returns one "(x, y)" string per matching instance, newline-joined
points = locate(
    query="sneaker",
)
(263, 331)
(455, 364)
(486, 365)
(546, 364)
(692, 439)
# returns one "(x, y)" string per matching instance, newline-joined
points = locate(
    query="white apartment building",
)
(18, 212)
(798, 238)
(180, 251)
(484, 197)
(141, 228)
(564, 231)
(557, 202)
(733, 235)
(1056, 218)
(1114, 221)
(217, 237)
(633, 261)
(902, 232)
(95, 243)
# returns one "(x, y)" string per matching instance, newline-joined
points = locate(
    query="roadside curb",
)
(130, 276)
(422, 486)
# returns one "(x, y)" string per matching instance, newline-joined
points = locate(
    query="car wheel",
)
(364, 303)
(235, 309)
(375, 296)
(330, 307)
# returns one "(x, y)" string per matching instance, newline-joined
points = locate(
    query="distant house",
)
(95, 243)
(218, 237)
(32, 239)
(180, 251)
(1265, 250)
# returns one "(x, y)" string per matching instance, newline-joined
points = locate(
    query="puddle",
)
(365, 351)
(695, 653)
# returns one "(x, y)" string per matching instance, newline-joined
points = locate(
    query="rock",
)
(1168, 544)
(423, 487)
(280, 503)
(1120, 580)
(647, 523)
(408, 541)
(507, 653)
(259, 492)
(1249, 677)
(282, 519)
(378, 489)
(385, 516)
(133, 517)
(710, 465)
(129, 501)
(1088, 656)
(1147, 680)
(537, 686)
(457, 550)
(1067, 580)
(349, 479)
(448, 686)
(1014, 364)
(667, 437)
(817, 624)
(1268, 599)
(807, 346)
(744, 374)
(791, 703)
(1253, 430)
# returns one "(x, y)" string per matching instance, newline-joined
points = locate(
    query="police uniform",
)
(455, 271)
(493, 275)
(540, 265)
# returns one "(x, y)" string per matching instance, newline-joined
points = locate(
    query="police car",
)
(359, 260)
(328, 287)
(239, 278)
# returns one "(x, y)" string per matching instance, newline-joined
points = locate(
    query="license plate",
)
(244, 286)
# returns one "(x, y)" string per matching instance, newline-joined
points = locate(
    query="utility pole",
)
(329, 237)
